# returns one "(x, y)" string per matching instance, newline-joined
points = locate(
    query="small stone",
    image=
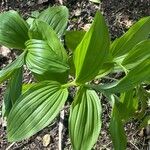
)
(77, 12)
(47, 148)
(29, 3)
(128, 23)
(141, 134)
(4, 51)
(3, 122)
(38, 138)
(42, 1)
(46, 140)
(33, 145)
(86, 27)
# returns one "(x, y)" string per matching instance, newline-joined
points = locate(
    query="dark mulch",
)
(120, 15)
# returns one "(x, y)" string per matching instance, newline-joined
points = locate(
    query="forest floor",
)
(119, 15)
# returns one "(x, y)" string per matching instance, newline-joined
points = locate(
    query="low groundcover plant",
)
(29, 108)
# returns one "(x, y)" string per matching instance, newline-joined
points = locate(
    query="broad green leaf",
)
(35, 14)
(13, 30)
(71, 65)
(56, 17)
(85, 119)
(73, 38)
(30, 21)
(9, 69)
(45, 63)
(117, 130)
(145, 122)
(139, 53)
(136, 76)
(92, 51)
(127, 105)
(27, 86)
(148, 81)
(61, 77)
(106, 69)
(13, 90)
(137, 33)
(41, 58)
(143, 99)
(35, 109)
(42, 31)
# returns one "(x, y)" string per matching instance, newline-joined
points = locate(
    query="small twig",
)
(106, 77)
(135, 146)
(62, 113)
(10, 146)
(61, 2)
(105, 146)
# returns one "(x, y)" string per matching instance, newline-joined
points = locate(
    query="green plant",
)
(30, 108)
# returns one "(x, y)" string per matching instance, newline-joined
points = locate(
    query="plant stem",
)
(67, 85)
(106, 77)
(94, 87)
(62, 114)
(8, 148)
(124, 69)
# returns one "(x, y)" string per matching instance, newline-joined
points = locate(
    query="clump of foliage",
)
(31, 107)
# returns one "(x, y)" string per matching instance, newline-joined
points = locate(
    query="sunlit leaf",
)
(137, 33)
(13, 30)
(73, 38)
(30, 21)
(136, 76)
(106, 69)
(145, 122)
(35, 14)
(42, 31)
(84, 121)
(56, 17)
(61, 77)
(42, 60)
(13, 90)
(92, 51)
(139, 53)
(72, 66)
(117, 130)
(27, 86)
(35, 109)
(128, 105)
(143, 99)
(9, 69)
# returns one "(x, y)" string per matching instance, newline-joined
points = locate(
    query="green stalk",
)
(124, 69)
(67, 85)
